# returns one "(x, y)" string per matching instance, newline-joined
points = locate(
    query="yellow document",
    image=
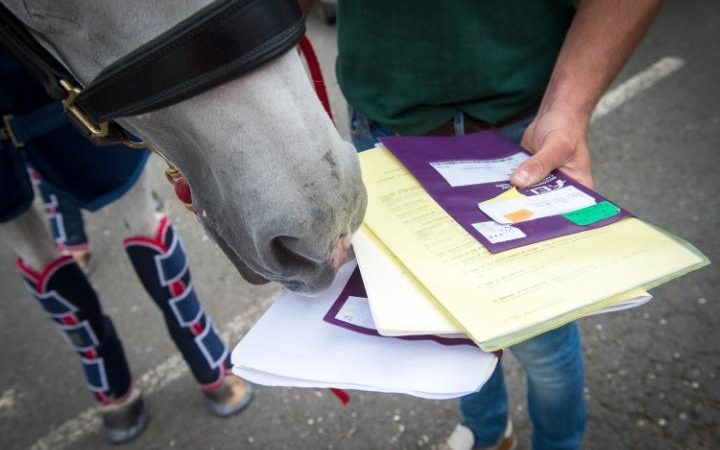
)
(508, 297)
(401, 306)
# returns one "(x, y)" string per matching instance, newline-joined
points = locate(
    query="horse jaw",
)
(272, 181)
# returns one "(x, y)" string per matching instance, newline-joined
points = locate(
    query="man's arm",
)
(600, 40)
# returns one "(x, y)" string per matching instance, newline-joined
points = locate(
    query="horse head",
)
(272, 181)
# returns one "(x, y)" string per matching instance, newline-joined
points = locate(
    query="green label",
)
(592, 214)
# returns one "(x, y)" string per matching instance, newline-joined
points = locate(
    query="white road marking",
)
(637, 84)
(174, 367)
(152, 381)
(8, 400)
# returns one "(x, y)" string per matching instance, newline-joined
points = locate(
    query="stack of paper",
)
(548, 258)
(401, 306)
(291, 345)
(504, 298)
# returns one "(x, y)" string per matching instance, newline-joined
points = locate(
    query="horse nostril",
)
(286, 253)
(302, 265)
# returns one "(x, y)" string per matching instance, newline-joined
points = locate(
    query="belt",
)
(473, 125)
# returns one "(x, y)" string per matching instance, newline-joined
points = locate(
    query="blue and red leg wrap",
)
(161, 264)
(65, 294)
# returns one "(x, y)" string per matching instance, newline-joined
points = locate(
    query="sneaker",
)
(232, 397)
(462, 439)
(125, 421)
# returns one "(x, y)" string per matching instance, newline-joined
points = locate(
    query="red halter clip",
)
(182, 189)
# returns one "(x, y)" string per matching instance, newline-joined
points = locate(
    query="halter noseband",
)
(222, 41)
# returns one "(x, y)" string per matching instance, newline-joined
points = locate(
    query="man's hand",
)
(559, 140)
(601, 38)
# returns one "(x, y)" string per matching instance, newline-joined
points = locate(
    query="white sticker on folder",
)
(495, 232)
(356, 311)
(533, 207)
(478, 171)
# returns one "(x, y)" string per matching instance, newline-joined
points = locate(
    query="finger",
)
(553, 153)
(582, 175)
(579, 166)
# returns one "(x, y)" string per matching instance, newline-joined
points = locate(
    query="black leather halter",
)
(218, 43)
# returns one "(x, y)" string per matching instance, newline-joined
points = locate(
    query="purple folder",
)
(423, 155)
(356, 288)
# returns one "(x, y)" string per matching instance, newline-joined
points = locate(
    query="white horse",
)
(272, 181)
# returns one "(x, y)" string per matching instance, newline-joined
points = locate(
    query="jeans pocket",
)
(365, 132)
(360, 130)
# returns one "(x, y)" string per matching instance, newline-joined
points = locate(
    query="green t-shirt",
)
(410, 64)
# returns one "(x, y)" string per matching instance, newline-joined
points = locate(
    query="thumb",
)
(552, 154)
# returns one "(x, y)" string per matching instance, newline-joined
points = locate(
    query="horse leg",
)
(64, 292)
(29, 237)
(159, 259)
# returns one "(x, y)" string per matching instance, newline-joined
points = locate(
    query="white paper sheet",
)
(641, 299)
(533, 207)
(496, 232)
(400, 307)
(479, 171)
(292, 346)
(356, 311)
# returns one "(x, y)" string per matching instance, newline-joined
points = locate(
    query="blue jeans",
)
(553, 361)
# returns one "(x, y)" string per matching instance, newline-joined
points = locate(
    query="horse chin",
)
(312, 287)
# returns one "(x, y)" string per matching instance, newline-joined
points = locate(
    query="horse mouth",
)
(247, 273)
(315, 280)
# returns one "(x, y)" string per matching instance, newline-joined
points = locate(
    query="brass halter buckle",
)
(102, 130)
(99, 131)
(96, 130)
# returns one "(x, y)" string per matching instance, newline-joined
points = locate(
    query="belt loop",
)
(459, 123)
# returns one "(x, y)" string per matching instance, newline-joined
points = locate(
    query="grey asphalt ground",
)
(652, 373)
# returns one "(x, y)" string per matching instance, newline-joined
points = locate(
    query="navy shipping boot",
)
(161, 264)
(65, 294)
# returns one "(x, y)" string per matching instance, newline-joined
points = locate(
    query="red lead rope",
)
(318, 80)
(316, 75)
(342, 395)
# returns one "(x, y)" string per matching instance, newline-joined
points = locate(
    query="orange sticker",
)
(519, 215)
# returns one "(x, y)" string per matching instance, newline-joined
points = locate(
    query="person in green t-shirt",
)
(534, 71)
